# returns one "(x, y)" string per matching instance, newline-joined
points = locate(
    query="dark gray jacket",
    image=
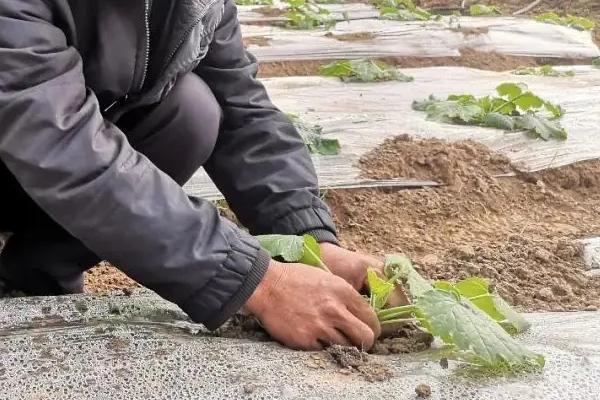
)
(70, 67)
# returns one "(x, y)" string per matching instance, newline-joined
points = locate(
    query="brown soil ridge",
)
(518, 231)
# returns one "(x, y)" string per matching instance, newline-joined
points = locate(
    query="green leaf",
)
(476, 337)
(511, 90)
(311, 252)
(324, 147)
(363, 70)
(528, 101)
(596, 62)
(544, 70)
(477, 10)
(499, 121)
(571, 21)
(380, 290)
(403, 10)
(478, 291)
(453, 111)
(289, 247)
(554, 109)
(541, 127)
(305, 14)
(399, 265)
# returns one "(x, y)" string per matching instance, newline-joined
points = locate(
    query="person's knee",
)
(199, 117)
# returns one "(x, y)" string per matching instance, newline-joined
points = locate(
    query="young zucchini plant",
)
(474, 323)
(544, 70)
(313, 137)
(482, 10)
(363, 70)
(515, 108)
(403, 10)
(306, 14)
(571, 21)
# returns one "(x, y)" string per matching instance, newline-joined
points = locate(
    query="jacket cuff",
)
(243, 271)
(323, 236)
(316, 221)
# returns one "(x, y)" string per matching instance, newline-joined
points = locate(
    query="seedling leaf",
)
(545, 70)
(380, 290)
(401, 265)
(477, 338)
(571, 21)
(363, 70)
(478, 291)
(291, 248)
(477, 10)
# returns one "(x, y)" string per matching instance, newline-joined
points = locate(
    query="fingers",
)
(357, 332)
(334, 336)
(361, 310)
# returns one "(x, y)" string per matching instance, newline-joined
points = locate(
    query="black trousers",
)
(40, 257)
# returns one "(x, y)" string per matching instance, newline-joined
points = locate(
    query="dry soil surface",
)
(518, 231)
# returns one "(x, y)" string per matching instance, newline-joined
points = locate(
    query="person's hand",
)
(307, 308)
(353, 267)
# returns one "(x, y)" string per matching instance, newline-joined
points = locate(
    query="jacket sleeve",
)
(81, 170)
(260, 163)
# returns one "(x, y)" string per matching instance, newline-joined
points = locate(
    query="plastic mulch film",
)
(362, 115)
(444, 38)
(141, 347)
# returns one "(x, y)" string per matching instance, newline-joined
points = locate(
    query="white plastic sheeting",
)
(141, 347)
(505, 35)
(361, 116)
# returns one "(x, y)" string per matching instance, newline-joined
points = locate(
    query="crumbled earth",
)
(104, 279)
(423, 391)
(488, 220)
(403, 340)
(352, 360)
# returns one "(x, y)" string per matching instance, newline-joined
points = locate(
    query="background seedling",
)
(306, 14)
(579, 23)
(515, 108)
(481, 10)
(545, 70)
(364, 71)
(313, 137)
(403, 10)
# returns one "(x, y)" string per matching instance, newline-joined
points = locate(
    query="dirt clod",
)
(407, 339)
(351, 359)
(423, 391)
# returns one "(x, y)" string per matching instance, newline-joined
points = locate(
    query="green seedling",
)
(571, 21)
(545, 70)
(306, 14)
(312, 135)
(515, 108)
(481, 10)
(364, 71)
(473, 322)
(403, 10)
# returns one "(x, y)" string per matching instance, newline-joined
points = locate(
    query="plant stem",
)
(395, 312)
(399, 321)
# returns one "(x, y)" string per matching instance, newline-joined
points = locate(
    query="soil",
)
(352, 360)
(423, 391)
(469, 58)
(104, 279)
(405, 340)
(352, 37)
(518, 231)
(260, 41)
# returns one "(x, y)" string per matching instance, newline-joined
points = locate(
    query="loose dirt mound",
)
(518, 231)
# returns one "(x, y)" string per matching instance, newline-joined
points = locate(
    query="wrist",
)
(259, 300)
